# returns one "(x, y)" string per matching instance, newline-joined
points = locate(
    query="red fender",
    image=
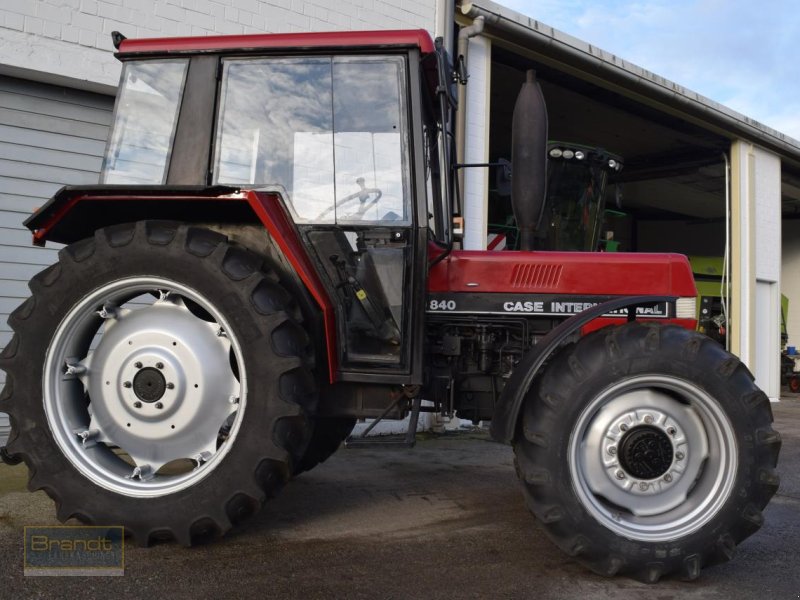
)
(74, 213)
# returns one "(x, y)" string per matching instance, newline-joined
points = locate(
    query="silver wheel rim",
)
(144, 387)
(692, 439)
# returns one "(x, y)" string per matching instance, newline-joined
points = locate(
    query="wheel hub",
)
(646, 452)
(643, 451)
(141, 399)
(173, 384)
(650, 457)
(149, 385)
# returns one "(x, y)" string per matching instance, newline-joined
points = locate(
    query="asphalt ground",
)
(443, 520)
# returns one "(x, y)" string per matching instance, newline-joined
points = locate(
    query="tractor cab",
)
(574, 210)
(331, 133)
(577, 177)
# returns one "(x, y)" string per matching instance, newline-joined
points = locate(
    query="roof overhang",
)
(588, 62)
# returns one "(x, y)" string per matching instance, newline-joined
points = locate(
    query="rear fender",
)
(75, 213)
(506, 414)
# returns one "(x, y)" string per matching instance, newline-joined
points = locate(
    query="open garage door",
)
(670, 194)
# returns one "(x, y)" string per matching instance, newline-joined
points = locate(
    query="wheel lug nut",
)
(159, 365)
(643, 486)
(667, 477)
(137, 364)
(648, 419)
(137, 404)
(671, 430)
(127, 384)
(159, 405)
(170, 386)
(612, 450)
(620, 474)
(623, 427)
(679, 455)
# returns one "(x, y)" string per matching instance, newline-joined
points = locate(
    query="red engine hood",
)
(578, 273)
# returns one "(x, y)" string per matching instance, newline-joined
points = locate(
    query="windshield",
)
(144, 122)
(331, 131)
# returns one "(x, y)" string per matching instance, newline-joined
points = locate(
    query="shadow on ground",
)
(444, 520)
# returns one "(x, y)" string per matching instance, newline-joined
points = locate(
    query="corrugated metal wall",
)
(49, 136)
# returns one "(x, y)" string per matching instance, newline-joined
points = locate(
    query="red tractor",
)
(271, 255)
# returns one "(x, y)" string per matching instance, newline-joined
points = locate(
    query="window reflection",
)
(144, 122)
(276, 128)
(332, 132)
(367, 116)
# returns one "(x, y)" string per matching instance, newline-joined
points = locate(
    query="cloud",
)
(738, 53)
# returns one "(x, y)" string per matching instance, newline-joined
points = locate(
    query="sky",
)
(740, 53)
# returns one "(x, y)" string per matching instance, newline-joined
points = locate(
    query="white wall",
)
(756, 262)
(768, 271)
(72, 38)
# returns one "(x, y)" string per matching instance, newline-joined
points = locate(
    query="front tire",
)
(647, 450)
(157, 380)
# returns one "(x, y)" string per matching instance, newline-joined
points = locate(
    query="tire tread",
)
(631, 348)
(294, 379)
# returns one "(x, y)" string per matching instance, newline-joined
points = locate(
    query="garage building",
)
(698, 178)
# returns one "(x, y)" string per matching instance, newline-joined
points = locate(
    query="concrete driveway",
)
(444, 520)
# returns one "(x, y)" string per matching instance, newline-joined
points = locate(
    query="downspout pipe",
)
(462, 51)
(726, 260)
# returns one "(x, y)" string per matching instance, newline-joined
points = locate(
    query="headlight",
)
(686, 308)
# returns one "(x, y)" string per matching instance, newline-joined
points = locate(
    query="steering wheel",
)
(363, 196)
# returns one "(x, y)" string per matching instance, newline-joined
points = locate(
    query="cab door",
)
(334, 132)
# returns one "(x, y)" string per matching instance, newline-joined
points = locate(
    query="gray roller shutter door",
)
(49, 136)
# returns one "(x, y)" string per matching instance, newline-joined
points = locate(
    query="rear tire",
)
(648, 451)
(206, 373)
(329, 433)
(9, 459)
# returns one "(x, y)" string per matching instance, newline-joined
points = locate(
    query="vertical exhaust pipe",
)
(528, 159)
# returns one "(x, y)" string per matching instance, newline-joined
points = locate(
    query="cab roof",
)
(252, 42)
